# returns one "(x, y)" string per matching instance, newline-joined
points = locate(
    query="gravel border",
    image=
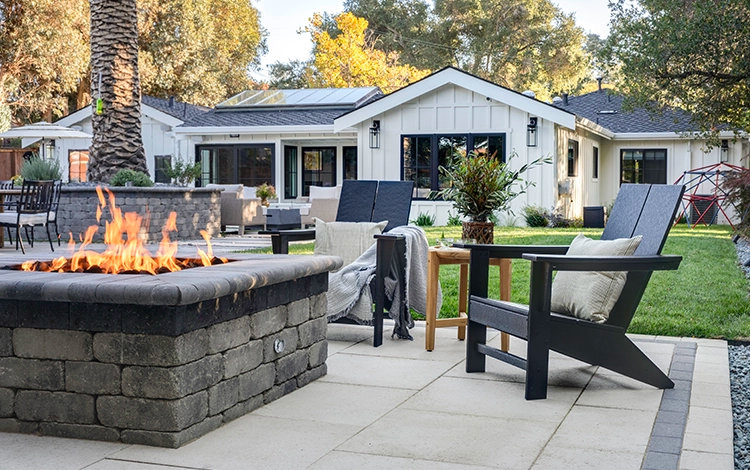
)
(739, 378)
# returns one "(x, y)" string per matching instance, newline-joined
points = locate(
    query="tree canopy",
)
(697, 60)
(521, 44)
(351, 60)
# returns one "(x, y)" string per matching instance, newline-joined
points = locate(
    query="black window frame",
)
(595, 171)
(159, 175)
(573, 158)
(648, 175)
(334, 172)
(350, 167)
(434, 152)
(207, 176)
(291, 171)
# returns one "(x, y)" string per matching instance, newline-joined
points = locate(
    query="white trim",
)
(160, 116)
(595, 128)
(666, 136)
(462, 79)
(217, 130)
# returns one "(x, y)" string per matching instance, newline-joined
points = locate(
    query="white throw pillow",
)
(347, 240)
(319, 192)
(591, 295)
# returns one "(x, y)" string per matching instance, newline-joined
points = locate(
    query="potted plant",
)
(481, 184)
(265, 192)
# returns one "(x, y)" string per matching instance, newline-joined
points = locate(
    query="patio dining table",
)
(3, 193)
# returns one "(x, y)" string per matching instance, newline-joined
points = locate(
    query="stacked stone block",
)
(197, 209)
(157, 389)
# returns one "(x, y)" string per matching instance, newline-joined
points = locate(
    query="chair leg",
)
(476, 334)
(537, 346)
(28, 238)
(383, 267)
(57, 233)
(18, 239)
(10, 235)
(51, 246)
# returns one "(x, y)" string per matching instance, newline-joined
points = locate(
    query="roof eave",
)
(595, 128)
(218, 130)
(456, 77)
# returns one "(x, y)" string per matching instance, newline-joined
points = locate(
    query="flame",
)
(124, 255)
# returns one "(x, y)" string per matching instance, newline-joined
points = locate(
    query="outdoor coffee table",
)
(278, 218)
(437, 257)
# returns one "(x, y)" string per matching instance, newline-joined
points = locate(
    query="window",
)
(78, 165)
(318, 167)
(161, 162)
(572, 158)
(595, 172)
(350, 163)
(290, 172)
(643, 166)
(250, 165)
(423, 154)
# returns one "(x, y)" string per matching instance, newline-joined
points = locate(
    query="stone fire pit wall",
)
(197, 209)
(158, 360)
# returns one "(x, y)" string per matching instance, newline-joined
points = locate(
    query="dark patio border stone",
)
(665, 444)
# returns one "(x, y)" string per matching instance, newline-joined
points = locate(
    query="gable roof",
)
(177, 109)
(452, 75)
(266, 117)
(603, 107)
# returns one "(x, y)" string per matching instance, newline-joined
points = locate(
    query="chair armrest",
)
(607, 263)
(388, 236)
(514, 251)
(280, 238)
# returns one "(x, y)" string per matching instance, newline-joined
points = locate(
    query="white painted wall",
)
(455, 110)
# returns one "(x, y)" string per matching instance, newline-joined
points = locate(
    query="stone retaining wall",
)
(157, 390)
(197, 209)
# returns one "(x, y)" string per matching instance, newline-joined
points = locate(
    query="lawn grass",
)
(706, 297)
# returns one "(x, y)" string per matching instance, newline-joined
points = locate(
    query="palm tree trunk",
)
(117, 143)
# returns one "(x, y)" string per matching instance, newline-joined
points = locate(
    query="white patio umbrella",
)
(45, 131)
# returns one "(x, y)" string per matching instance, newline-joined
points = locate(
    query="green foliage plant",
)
(535, 216)
(129, 176)
(182, 172)
(39, 169)
(481, 184)
(737, 187)
(265, 191)
(454, 220)
(424, 220)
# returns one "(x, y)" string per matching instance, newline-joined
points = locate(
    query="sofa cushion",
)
(249, 192)
(586, 294)
(347, 240)
(319, 192)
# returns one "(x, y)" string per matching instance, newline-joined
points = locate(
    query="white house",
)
(158, 119)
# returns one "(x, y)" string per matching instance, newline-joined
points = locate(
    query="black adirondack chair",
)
(369, 201)
(646, 210)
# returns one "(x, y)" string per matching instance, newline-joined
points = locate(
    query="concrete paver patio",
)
(399, 406)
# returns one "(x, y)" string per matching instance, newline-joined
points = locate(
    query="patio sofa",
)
(324, 202)
(239, 206)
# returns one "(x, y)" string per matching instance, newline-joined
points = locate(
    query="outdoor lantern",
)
(725, 150)
(375, 135)
(531, 132)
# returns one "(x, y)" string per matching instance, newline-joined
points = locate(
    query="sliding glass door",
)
(318, 167)
(251, 165)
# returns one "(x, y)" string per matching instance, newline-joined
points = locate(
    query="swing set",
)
(707, 180)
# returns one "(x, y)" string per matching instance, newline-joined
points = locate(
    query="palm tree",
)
(117, 142)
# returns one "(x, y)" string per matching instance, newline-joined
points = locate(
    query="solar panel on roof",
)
(302, 97)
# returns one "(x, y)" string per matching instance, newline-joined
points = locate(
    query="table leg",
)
(463, 298)
(433, 275)
(505, 278)
(2, 229)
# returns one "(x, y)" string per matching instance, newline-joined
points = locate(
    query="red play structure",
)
(705, 207)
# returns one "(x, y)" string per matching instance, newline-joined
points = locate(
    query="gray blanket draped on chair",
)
(349, 293)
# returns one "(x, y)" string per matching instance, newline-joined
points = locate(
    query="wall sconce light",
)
(531, 135)
(375, 135)
(724, 150)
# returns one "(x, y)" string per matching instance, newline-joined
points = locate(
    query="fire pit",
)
(158, 359)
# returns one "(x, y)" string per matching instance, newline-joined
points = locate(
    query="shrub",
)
(557, 220)
(138, 178)
(453, 219)
(737, 187)
(182, 172)
(265, 191)
(38, 169)
(424, 220)
(535, 216)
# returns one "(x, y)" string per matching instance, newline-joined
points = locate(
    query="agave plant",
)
(481, 184)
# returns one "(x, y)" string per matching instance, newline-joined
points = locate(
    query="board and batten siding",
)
(455, 110)
(584, 189)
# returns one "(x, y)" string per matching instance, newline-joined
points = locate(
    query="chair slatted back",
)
(356, 201)
(36, 197)
(56, 192)
(6, 184)
(393, 203)
(649, 211)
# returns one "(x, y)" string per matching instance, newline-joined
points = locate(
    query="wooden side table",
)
(437, 257)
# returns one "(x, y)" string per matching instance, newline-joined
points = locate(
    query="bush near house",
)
(129, 176)
(41, 169)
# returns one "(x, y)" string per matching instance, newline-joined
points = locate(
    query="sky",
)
(283, 18)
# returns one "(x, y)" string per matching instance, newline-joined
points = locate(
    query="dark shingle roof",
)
(605, 108)
(281, 117)
(179, 109)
